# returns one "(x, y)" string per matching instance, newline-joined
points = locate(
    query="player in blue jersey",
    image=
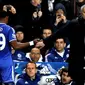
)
(8, 40)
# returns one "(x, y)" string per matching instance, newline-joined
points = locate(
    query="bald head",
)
(35, 54)
(35, 50)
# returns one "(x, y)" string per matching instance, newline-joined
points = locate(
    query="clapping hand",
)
(39, 14)
(34, 14)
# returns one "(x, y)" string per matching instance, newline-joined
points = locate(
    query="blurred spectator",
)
(37, 18)
(19, 55)
(83, 12)
(30, 77)
(37, 13)
(19, 33)
(59, 20)
(81, 18)
(31, 17)
(79, 3)
(65, 78)
(34, 55)
(68, 5)
(46, 32)
(58, 53)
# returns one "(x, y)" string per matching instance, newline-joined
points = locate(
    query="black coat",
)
(73, 31)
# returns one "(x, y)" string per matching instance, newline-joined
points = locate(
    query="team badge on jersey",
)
(26, 82)
(67, 55)
(19, 56)
(13, 36)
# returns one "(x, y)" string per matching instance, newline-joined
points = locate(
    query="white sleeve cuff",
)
(31, 43)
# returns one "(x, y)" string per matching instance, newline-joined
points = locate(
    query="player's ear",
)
(64, 44)
(36, 69)
(6, 19)
(54, 44)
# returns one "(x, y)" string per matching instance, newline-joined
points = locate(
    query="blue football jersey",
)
(7, 34)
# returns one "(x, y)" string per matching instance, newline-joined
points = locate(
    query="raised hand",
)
(63, 17)
(34, 14)
(58, 19)
(9, 8)
(39, 13)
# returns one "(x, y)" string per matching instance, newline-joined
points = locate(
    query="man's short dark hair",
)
(65, 70)
(19, 28)
(47, 27)
(60, 37)
(3, 14)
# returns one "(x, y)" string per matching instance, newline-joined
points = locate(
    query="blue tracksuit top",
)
(19, 55)
(53, 56)
(25, 80)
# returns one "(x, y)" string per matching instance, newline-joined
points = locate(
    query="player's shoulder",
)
(10, 28)
(6, 26)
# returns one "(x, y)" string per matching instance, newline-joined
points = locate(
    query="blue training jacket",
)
(53, 56)
(25, 80)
